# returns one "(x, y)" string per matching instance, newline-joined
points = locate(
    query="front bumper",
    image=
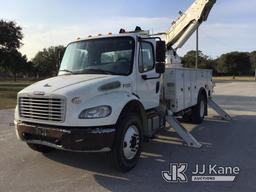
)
(78, 139)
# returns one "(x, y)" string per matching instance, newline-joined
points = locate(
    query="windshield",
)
(99, 56)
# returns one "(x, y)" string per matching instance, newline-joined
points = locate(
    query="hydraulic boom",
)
(188, 22)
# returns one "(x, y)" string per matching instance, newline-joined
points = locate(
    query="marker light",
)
(76, 100)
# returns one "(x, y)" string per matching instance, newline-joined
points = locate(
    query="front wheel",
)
(127, 146)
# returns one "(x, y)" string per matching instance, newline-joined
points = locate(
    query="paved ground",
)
(225, 143)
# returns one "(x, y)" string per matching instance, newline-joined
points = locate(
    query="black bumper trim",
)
(68, 138)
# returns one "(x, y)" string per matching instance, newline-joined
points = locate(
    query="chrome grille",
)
(43, 108)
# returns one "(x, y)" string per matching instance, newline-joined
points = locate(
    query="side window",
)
(116, 56)
(146, 58)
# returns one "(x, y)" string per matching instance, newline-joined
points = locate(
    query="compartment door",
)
(194, 87)
(179, 86)
(187, 89)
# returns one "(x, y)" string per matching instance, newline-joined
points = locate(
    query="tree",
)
(253, 61)
(15, 63)
(30, 70)
(10, 35)
(204, 62)
(237, 63)
(10, 41)
(47, 61)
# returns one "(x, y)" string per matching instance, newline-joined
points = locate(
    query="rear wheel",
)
(127, 146)
(199, 111)
(39, 148)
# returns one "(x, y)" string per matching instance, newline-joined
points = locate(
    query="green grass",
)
(7, 99)
(8, 92)
(237, 78)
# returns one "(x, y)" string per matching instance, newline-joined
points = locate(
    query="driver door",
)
(148, 81)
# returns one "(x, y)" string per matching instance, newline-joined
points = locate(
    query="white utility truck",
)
(113, 92)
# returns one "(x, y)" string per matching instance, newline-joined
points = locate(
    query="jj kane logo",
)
(177, 173)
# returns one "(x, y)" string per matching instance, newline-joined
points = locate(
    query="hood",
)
(56, 83)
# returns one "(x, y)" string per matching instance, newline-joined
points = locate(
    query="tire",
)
(199, 111)
(40, 148)
(127, 146)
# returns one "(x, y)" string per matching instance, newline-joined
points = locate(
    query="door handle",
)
(145, 77)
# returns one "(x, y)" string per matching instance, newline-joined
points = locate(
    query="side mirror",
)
(160, 56)
(160, 51)
(160, 68)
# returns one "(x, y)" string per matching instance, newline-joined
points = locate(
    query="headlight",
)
(95, 112)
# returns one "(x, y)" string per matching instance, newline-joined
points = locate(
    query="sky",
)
(231, 25)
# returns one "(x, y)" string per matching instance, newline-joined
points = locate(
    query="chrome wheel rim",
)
(131, 142)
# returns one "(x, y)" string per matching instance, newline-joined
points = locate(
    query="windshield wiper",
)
(96, 71)
(68, 71)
